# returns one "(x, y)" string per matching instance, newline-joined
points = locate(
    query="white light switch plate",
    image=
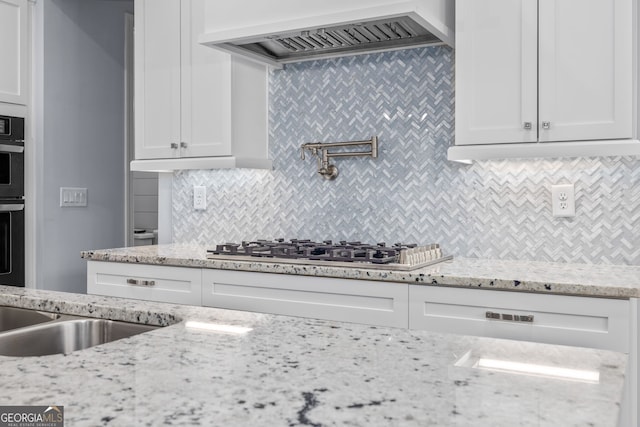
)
(199, 197)
(563, 200)
(73, 197)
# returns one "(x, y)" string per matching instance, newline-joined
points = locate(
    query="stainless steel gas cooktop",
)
(399, 256)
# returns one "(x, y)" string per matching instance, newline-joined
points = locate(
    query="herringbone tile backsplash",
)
(410, 193)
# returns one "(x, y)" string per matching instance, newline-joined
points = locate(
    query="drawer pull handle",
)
(141, 282)
(527, 318)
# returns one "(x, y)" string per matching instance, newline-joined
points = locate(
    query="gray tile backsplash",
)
(491, 209)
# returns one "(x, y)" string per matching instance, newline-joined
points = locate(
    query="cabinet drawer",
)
(556, 319)
(358, 301)
(146, 282)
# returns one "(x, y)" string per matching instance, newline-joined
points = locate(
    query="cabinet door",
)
(14, 48)
(206, 90)
(358, 301)
(496, 71)
(585, 69)
(157, 77)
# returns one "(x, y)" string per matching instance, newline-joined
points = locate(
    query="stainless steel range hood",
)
(398, 26)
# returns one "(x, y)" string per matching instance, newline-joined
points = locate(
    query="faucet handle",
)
(308, 146)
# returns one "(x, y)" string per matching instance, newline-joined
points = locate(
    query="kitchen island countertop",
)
(595, 280)
(296, 372)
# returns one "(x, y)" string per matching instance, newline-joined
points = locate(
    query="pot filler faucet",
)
(321, 151)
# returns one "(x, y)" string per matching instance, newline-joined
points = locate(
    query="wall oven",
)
(12, 239)
(11, 157)
(12, 242)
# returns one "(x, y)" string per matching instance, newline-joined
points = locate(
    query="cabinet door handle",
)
(183, 144)
(527, 318)
(527, 126)
(140, 282)
(492, 315)
(174, 145)
(546, 125)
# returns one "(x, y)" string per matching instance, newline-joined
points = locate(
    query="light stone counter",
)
(611, 281)
(295, 372)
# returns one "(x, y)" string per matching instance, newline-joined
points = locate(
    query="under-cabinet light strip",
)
(216, 327)
(539, 370)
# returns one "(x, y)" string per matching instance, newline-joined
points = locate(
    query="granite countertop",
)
(610, 281)
(297, 372)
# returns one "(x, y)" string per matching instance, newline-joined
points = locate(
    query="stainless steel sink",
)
(62, 333)
(13, 318)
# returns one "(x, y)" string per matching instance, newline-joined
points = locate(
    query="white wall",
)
(79, 84)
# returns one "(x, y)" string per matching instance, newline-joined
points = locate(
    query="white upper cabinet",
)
(186, 93)
(543, 71)
(586, 64)
(157, 79)
(14, 48)
(206, 90)
(496, 71)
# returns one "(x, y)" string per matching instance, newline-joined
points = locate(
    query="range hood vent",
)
(363, 28)
(342, 40)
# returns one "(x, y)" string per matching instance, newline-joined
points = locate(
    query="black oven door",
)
(12, 254)
(11, 170)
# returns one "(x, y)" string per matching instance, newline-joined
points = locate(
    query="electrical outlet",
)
(563, 200)
(199, 198)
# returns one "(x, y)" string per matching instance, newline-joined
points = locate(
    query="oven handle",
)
(11, 208)
(11, 148)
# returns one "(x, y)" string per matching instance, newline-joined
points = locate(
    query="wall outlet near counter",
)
(199, 198)
(563, 200)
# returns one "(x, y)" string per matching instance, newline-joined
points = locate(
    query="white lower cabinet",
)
(359, 301)
(554, 319)
(601, 323)
(179, 285)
